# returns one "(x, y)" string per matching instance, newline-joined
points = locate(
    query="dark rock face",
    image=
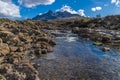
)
(54, 15)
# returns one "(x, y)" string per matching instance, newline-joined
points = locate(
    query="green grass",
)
(85, 20)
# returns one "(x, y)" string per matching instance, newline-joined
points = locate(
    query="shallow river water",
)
(77, 59)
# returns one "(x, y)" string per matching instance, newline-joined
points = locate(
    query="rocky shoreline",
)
(107, 38)
(23, 41)
(18, 45)
(103, 31)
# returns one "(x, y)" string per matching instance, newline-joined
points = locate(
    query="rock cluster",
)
(18, 45)
(105, 37)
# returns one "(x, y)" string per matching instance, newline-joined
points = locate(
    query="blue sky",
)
(22, 9)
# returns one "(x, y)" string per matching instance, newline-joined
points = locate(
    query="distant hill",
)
(55, 15)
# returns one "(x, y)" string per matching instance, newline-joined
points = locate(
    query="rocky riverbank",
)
(21, 42)
(74, 58)
(107, 38)
(103, 31)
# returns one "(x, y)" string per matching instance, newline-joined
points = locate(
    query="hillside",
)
(55, 15)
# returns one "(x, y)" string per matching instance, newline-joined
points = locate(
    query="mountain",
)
(55, 15)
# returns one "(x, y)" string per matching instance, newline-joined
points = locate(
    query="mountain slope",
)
(54, 15)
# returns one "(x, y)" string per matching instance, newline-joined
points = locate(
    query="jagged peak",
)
(50, 11)
(50, 15)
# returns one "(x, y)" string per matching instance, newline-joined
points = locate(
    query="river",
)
(76, 59)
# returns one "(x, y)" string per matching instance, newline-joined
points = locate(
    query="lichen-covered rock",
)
(24, 37)
(117, 37)
(20, 42)
(5, 33)
(23, 71)
(13, 48)
(4, 49)
(2, 77)
(3, 29)
(97, 43)
(20, 49)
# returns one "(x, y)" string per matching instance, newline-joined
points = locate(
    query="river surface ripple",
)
(77, 59)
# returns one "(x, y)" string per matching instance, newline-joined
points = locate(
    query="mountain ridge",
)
(50, 15)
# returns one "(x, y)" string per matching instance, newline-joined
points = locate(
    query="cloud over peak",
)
(33, 3)
(70, 10)
(98, 8)
(8, 9)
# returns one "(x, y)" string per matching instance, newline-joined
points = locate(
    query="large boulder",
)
(5, 33)
(4, 48)
(75, 30)
(2, 77)
(24, 37)
(13, 48)
(106, 39)
(117, 37)
(105, 49)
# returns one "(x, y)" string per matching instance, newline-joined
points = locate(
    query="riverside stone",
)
(105, 49)
(4, 49)
(19, 43)
(13, 49)
(2, 77)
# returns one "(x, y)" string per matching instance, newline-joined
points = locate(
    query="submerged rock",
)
(105, 49)
(97, 43)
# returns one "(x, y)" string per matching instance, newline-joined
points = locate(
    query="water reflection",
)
(75, 59)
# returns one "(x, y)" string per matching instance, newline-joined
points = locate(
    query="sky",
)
(24, 9)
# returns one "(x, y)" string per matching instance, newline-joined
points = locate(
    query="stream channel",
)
(76, 59)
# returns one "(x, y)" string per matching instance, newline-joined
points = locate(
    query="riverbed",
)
(76, 59)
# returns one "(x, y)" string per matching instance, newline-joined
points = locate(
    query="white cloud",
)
(33, 3)
(81, 12)
(93, 9)
(98, 8)
(116, 2)
(70, 10)
(8, 9)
